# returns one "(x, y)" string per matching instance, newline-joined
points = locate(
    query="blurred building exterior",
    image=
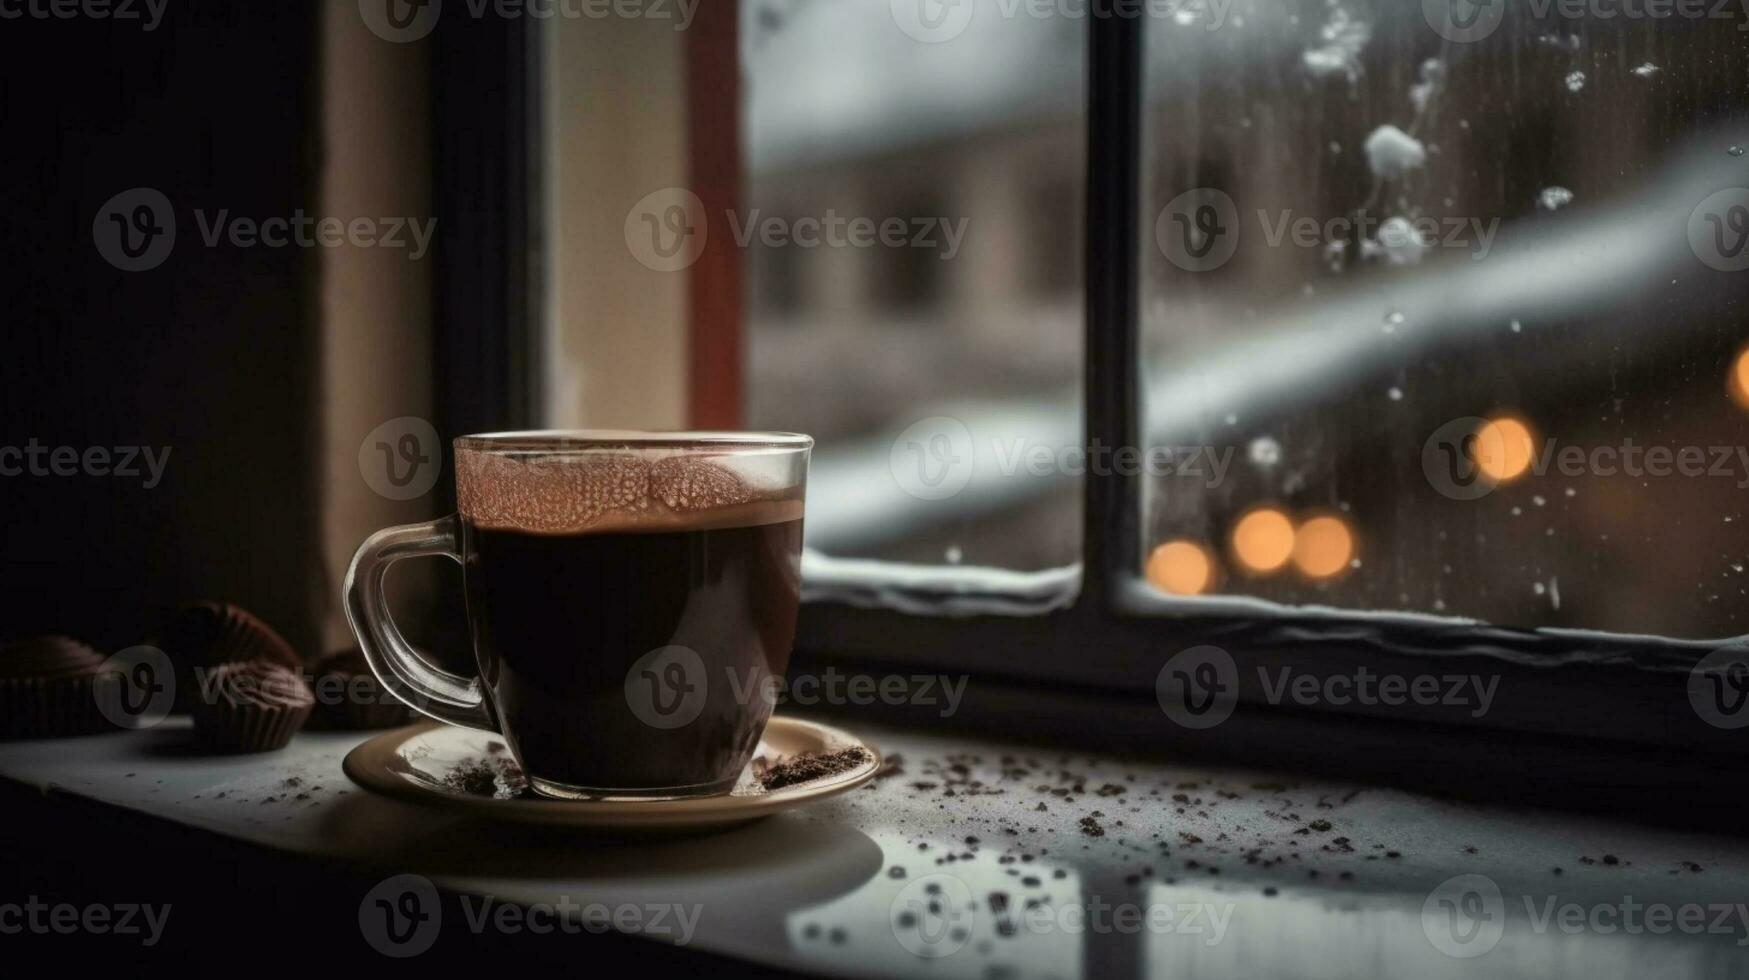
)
(1532, 143)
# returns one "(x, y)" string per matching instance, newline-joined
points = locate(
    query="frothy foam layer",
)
(604, 492)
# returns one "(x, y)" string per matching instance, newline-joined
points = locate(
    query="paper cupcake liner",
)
(229, 727)
(222, 634)
(49, 707)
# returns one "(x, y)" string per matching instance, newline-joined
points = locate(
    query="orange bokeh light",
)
(1263, 540)
(1504, 449)
(1323, 547)
(1181, 568)
(1740, 379)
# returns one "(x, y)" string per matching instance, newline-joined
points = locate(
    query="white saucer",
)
(418, 763)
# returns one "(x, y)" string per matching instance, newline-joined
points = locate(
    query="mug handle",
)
(442, 695)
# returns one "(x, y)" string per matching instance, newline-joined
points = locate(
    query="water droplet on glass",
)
(1393, 320)
(1735, 151)
(954, 555)
(1395, 394)
(1647, 70)
(1517, 326)
(1539, 588)
(1576, 82)
(1264, 451)
(1554, 198)
(1392, 153)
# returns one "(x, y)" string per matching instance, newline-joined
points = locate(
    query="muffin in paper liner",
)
(203, 635)
(46, 688)
(349, 698)
(249, 706)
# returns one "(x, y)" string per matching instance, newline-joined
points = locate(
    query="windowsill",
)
(763, 889)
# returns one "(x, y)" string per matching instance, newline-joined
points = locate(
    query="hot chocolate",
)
(615, 601)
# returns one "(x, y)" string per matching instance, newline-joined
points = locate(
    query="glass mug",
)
(629, 597)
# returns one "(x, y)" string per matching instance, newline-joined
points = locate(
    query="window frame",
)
(1109, 635)
(1115, 633)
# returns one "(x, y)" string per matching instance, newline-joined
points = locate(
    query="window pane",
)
(1449, 311)
(913, 222)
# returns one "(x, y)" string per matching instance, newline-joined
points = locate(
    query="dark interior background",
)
(212, 354)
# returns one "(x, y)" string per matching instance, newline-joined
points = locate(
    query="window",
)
(1454, 353)
(900, 182)
(1306, 304)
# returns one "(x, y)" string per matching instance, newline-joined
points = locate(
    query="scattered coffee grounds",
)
(1091, 827)
(893, 765)
(810, 766)
(496, 778)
